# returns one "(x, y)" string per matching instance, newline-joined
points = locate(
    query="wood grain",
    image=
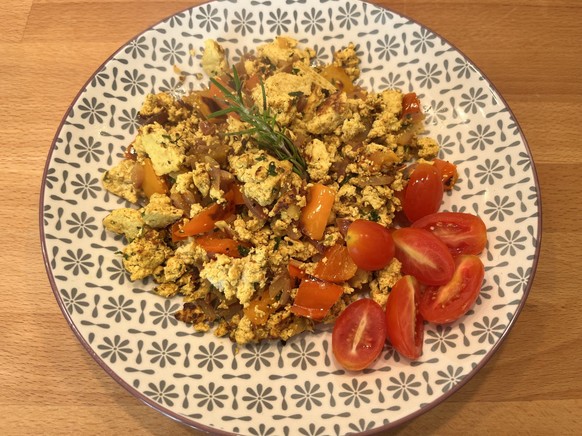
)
(530, 50)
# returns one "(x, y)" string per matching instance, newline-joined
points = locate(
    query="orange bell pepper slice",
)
(338, 77)
(204, 221)
(152, 183)
(336, 265)
(227, 246)
(315, 297)
(260, 308)
(296, 273)
(315, 214)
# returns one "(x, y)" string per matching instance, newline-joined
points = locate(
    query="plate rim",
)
(213, 430)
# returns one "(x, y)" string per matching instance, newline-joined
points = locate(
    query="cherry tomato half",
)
(359, 334)
(449, 302)
(370, 245)
(424, 192)
(423, 255)
(448, 172)
(462, 233)
(404, 324)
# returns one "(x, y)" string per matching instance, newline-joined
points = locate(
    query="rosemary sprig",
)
(265, 131)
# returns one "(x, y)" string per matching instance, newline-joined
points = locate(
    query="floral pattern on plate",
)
(296, 388)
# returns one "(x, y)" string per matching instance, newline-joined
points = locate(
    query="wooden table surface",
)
(530, 49)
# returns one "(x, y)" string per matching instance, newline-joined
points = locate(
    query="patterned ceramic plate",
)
(270, 388)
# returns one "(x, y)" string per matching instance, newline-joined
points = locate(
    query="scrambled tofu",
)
(226, 206)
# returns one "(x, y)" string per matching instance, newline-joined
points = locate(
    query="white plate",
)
(297, 388)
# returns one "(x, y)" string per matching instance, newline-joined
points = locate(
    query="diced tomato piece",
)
(227, 246)
(411, 108)
(448, 172)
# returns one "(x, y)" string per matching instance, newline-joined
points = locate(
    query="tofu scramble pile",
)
(221, 219)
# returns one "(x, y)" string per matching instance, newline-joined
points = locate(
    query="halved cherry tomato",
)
(404, 324)
(315, 297)
(152, 183)
(449, 302)
(462, 233)
(411, 107)
(336, 265)
(370, 245)
(449, 174)
(424, 192)
(359, 334)
(423, 255)
(228, 246)
(315, 214)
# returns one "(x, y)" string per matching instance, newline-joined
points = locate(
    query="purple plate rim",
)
(211, 430)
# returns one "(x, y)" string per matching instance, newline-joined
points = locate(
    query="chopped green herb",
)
(374, 216)
(243, 251)
(346, 179)
(277, 242)
(296, 93)
(272, 169)
(265, 131)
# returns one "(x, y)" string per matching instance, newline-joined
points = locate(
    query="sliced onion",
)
(137, 176)
(179, 202)
(255, 208)
(214, 173)
(293, 232)
(342, 225)
(207, 309)
(281, 285)
(340, 166)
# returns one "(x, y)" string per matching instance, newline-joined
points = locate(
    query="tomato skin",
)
(404, 323)
(359, 334)
(370, 245)
(423, 255)
(228, 246)
(424, 192)
(448, 172)
(462, 233)
(447, 303)
(336, 266)
(411, 107)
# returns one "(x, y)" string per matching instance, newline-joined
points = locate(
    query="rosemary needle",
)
(265, 131)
